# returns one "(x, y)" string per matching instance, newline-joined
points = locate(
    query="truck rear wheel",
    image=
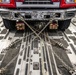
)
(9, 24)
(64, 24)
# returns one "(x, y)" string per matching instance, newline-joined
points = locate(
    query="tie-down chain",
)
(37, 35)
(71, 70)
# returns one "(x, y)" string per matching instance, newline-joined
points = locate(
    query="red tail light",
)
(55, 0)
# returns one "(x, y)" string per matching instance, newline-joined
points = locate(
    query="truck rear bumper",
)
(58, 14)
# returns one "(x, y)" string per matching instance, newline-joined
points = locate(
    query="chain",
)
(37, 35)
(56, 43)
(62, 46)
(71, 70)
(16, 41)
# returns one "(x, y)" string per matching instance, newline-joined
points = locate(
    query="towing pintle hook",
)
(39, 25)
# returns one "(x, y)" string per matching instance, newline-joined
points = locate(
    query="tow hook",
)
(20, 26)
(53, 25)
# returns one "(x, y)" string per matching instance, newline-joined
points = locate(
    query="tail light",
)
(55, 0)
(4, 1)
(68, 4)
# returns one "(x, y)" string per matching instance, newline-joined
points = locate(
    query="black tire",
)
(9, 24)
(64, 24)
